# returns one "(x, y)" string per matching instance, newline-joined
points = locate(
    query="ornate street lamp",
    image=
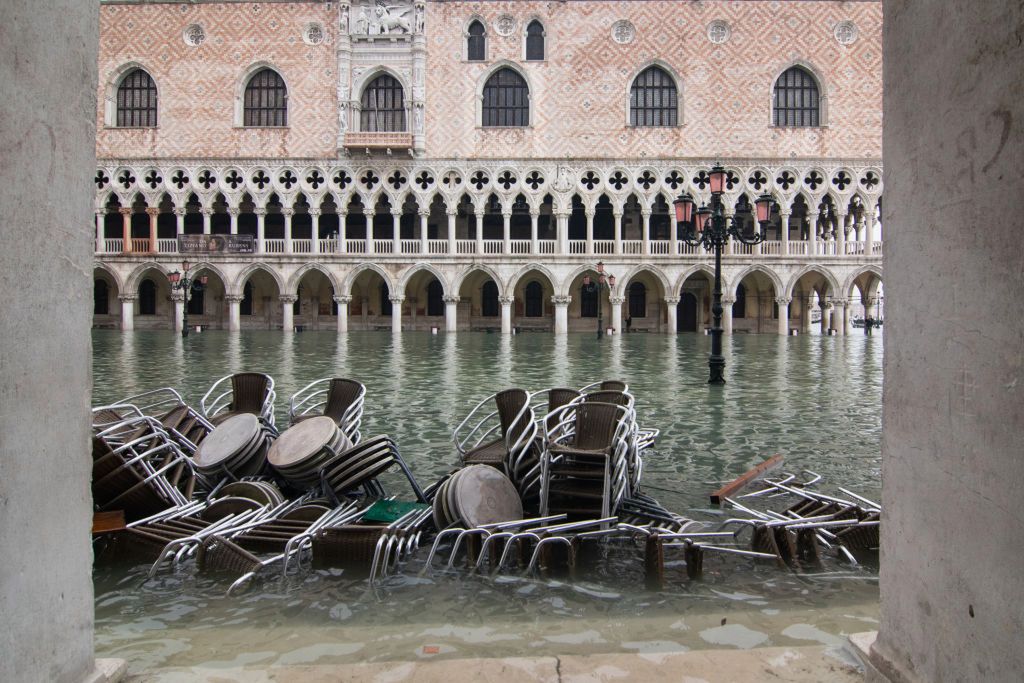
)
(187, 285)
(591, 287)
(709, 227)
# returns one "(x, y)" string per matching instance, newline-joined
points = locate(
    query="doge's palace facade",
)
(465, 165)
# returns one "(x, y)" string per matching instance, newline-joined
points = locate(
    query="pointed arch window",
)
(383, 106)
(147, 297)
(535, 41)
(796, 99)
(476, 42)
(534, 300)
(266, 100)
(136, 100)
(653, 99)
(489, 300)
(637, 300)
(506, 100)
(435, 298)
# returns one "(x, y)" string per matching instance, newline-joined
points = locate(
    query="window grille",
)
(506, 100)
(383, 106)
(796, 100)
(266, 100)
(653, 100)
(136, 101)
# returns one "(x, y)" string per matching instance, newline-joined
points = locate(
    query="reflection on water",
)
(817, 400)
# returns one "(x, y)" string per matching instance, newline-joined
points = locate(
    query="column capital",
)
(342, 300)
(589, 213)
(507, 215)
(288, 298)
(260, 211)
(125, 210)
(561, 300)
(785, 214)
(127, 298)
(177, 296)
(449, 299)
(315, 211)
(180, 211)
(206, 210)
(233, 298)
(672, 300)
(424, 212)
(841, 302)
(451, 211)
(369, 213)
(396, 298)
(783, 300)
(728, 300)
(534, 213)
(646, 212)
(396, 211)
(153, 210)
(825, 305)
(287, 211)
(618, 213)
(506, 300)
(617, 300)
(233, 211)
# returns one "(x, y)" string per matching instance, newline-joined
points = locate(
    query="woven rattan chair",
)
(251, 392)
(340, 399)
(516, 421)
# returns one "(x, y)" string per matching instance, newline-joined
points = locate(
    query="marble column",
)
(561, 313)
(287, 312)
(127, 312)
(153, 213)
(590, 231)
(671, 303)
(840, 316)
(616, 303)
(207, 219)
(534, 241)
(506, 314)
(805, 318)
(101, 245)
(784, 227)
(178, 299)
(233, 213)
(261, 229)
(826, 318)
(396, 312)
(562, 232)
(424, 231)
(479, 216)
(783, 304)
(452, 214)
(727, 302)
(179, 215)
(869, 230)
(618, 233)
(646, 236)
(126, 229)
(369, 213)
(342, 243)
(841, 234)
(287, 212)
(451, 310)
(506, 232)
(234, 312)
(314, 231)
(396, 231)
(673, 233)
(343, 302)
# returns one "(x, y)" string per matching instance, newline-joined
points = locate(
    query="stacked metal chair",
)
(503, 437)
(244, 392)
(335, 397)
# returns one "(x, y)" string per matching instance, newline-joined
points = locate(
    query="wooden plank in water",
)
(744, 479)
(105, 522)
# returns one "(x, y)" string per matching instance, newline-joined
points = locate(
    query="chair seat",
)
(595, 455)
(491, 453)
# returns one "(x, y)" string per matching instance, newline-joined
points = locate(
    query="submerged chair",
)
(501, 438)
(250, 392)
(337, 398)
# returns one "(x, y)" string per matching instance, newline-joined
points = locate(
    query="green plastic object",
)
(388, 511)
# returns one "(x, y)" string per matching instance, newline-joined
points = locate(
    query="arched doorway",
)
(686, 317)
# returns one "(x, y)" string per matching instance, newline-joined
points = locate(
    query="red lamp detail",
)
(764, 208)
(717, 179)
(611, 280)
(701, 220)
(684, 208)
(174, 277)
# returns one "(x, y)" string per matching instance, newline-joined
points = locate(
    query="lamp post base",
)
(717, 365)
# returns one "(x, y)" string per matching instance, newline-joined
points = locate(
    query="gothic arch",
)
(486, 76)
(658, 274)
(756, 268)
(114, 275)
(243, 81)
(367, 77)
(131, 284)
(461, 277)
(819, 79)
(350, 277)
(114, 79)
(829, 276)
(702, 268)
(296, 278)
(513, 281)
(240, 280)
(670, 70)
(848, 283)
(421, 267)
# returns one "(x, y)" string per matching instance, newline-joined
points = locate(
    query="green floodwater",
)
(817, 400)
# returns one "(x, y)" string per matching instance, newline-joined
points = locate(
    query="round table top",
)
(226, 440)
(483, 495)
(302, 441)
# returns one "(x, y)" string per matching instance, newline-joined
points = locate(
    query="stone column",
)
(369, 213)
(562, 233)
(783, 304)
(126, 229)
(342, 243)
(840, 234)
(101, 245)
(451, 310)
(729, 216)
(784, 227)
(178, 299)
(207, 214)
(646, 214)
(287, 312)
(343, 301)
(287, 212)
(424, 231)
(618, 233)
(179, 215)
(826, 317)
(261, 229)
(396, 312)
(561, 313)
(869, 230)
(673, 233)
(396, 231)
(234, 312)
(314, 232)
(233, 213)
(616, 302)
(805, 317)
(812, 237)
(534, 241)
(506, 314)
(153, 212)
(506, 232)
(671, 302)
(479, 216)
(840, 317)
(590, 230)
(452, 214)
(727, 302)
(127, 312)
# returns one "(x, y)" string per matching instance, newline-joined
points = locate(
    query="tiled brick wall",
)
(197, 85)
(580, 93)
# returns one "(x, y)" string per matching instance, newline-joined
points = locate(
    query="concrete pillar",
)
(424, 231)
(452, 214)
(451, 309)
(616, 303)
(153, 212)
(784, 227)
(207, 215)
(233, 213)
(342, 244)
(369, 213)
(101, 245)
(287, 212)
(783, 304)
(343, 302)
(234, 312)
(396, 312)
(314, 216)
(534, 241)
(396, 231)
(671, 303)
(561, 313)
(506, 232)
(590, 230)
(288, 312)
(261, 229)
(839, 316)
(646, 214)
(126, 229)
(479, 215)
(727, 302)
(506, 314)
(618, 232)
(127, 312)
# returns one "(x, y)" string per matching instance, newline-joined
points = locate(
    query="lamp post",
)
(187, 285)
(709, 228)
(590, 287)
